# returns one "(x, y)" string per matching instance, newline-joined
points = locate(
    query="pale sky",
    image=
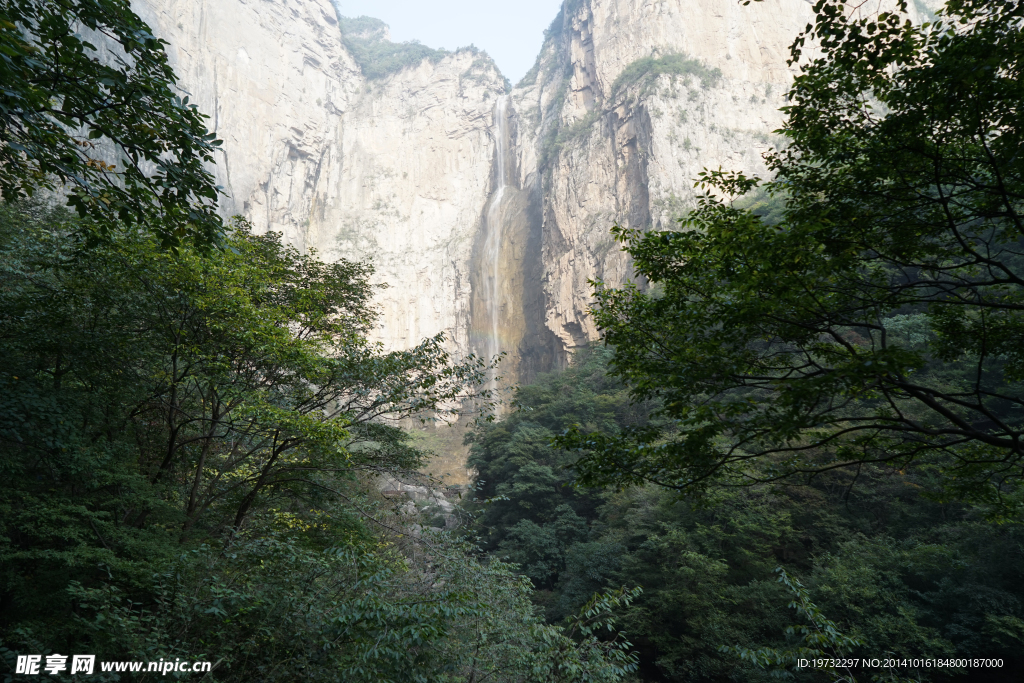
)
(510, 32)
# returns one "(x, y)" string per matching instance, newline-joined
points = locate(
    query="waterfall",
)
(492, 242)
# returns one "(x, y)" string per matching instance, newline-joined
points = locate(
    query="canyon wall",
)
(628, 102)
(275, 81)
(396, 170)
(485, 221)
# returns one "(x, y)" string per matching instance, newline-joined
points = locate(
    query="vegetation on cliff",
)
(647, 69)
(366, 39)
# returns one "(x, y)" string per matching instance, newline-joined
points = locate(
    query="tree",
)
(534, 514)
(910, 576)
(820, 640)
(152, 402)
(91, 106)
(223, 380)
(879, 318)
(271, 609)
(189, 444)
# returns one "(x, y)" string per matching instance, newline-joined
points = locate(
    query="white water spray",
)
(492, 241)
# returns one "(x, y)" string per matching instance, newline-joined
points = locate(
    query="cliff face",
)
(629, 101)
(396, 169)
(485, 212)
(276, 82)
(409, 189)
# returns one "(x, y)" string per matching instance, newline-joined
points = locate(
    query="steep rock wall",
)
(629, 101)
(410, 191)
(276, 82)
(396, 170)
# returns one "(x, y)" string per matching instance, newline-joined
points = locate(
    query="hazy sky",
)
(511, 32)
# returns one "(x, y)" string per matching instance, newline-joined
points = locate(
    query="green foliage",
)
(189, 444)
(534, 515)
(646, 70)
(84, 79)
(820, 639)
(770, 209)
(233, 376)
(649, 68)
(377, 57)
(894, 570)
(877, 318)
(150, 399)
(367, 28)
(557, 137)
(269, 610)
(557, 25)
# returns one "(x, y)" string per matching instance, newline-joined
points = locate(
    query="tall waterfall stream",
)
(492, 242)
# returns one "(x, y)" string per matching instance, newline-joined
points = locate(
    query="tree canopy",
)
(190, 444)
(90, 106)
(877, 318)
(882, 563)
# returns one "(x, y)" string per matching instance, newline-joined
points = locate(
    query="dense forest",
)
(881, 553)
(796, 451)
(191, 475)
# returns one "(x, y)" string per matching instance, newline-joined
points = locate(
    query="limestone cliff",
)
(409, 192)
(275, 80)
(628, 102)
(395, 169)
(485, 210)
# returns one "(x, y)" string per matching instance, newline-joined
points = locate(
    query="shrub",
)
(649, 68)
(377, 57)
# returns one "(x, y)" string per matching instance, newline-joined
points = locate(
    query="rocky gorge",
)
(484, 207)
